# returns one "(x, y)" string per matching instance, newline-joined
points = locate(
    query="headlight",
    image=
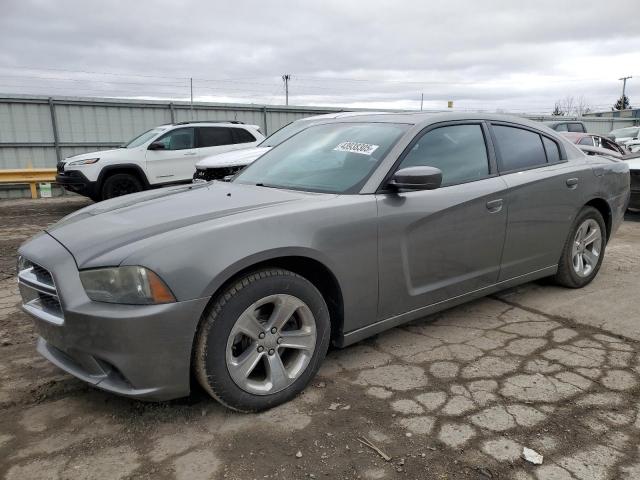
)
(128, 285)
(87, 161)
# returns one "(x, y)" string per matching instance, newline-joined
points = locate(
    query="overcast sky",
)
(512, 55)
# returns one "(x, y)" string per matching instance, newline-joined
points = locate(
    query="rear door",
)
(544, 194)
(175, 162)
(438, 244)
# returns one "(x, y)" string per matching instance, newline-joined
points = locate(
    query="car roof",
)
(424, 119)
(558, 122)
(197, 123)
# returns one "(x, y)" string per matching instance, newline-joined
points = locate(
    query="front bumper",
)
(75, 181)
(139, 351)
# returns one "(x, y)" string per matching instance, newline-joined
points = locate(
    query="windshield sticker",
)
(355, 147)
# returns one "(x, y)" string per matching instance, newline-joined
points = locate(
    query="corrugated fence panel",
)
(25, 123)
(26, 157)
(92, 123)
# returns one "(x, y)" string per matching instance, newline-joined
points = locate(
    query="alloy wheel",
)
(271, 344)
(587, 245)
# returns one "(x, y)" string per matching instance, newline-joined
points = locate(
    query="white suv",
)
(164, 155)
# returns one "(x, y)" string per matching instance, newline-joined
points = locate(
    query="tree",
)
(570, 105)
(557, 110)
(622, 103)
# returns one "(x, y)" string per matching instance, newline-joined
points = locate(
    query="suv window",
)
(242, 136)
(214, 136)
(561, 127)
(459, 151)
(178, 139)
(519, 149)
(576, 127)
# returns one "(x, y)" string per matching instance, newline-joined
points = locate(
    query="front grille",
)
(39, 292)
(215, 173)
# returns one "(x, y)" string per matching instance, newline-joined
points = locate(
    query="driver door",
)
(175, 162)
(438, 244)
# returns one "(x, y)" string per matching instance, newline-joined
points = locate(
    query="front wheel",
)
(262, 340)
(120, 184)
(583, 251)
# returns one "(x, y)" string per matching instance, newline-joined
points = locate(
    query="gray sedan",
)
(348, 228)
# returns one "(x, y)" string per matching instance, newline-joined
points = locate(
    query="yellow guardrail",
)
(30, 176)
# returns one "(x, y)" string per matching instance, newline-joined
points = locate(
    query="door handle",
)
(572, 182)
(494, 206)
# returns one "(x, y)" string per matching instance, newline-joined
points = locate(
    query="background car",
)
(216, 167)
(633, 146)
(566, 126)
(163, 155)
(599, 142)
(624, 135)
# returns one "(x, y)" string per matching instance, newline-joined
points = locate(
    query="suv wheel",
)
(583, 251)
(120, 184)
(262, 340)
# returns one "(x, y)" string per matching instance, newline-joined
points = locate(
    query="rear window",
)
(243, 136)
(214, 136)
(519, 149)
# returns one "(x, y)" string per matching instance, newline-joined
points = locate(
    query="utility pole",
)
(624, 84)
(286, 77)
(191, 86)
(421, 100)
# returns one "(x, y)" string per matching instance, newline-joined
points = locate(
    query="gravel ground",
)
(455, 395)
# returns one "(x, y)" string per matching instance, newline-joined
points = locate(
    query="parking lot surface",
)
(455, 395)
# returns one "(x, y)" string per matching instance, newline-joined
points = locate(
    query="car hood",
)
(114, 153)
(228, 159)
(96, 230)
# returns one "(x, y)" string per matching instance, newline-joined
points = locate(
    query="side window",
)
(178, 139)
(586, 141)
(459, 151)
(609, 145)
(552, 149)
(576, 127)
(519, 149)
(214, 136)
(561, 127)
(242, 136)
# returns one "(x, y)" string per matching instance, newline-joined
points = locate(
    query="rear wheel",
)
(583, 251)
(262, 340)
(120, 184)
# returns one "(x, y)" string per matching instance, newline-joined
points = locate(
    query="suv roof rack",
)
(237, 122)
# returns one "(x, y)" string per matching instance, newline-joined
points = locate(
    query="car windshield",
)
(288, 131)
(625, 132)
(144, 138)
(330, 158)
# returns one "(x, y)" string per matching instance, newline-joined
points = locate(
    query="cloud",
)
(489, 54)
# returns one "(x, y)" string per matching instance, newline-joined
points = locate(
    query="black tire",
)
(209, 362)
(566, 275)
(120, 184)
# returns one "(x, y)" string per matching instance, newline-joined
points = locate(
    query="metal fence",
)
(39, 131)
(36, 131)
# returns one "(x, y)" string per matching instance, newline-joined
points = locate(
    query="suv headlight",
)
(129, 285)
(87, 161)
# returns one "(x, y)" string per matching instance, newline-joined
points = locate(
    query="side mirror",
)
(157, 146)
(416, 178)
